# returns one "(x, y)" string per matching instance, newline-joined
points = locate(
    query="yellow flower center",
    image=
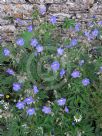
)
(7, 96)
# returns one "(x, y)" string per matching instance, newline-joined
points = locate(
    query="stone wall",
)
(10, 10)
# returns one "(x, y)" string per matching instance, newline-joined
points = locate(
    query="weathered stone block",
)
(4, 22)
(12, 1)
(16, 10)
(7, 28)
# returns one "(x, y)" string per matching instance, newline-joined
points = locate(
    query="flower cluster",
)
(54, 80)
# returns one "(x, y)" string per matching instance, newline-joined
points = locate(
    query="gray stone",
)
(11, 10)
(7, 28)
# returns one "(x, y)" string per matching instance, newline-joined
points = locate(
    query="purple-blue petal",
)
(30, 111)
(55, 66)
(16, 86)
(6, 52)
(46, 109)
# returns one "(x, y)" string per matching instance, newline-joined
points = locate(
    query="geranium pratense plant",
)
(56, 82)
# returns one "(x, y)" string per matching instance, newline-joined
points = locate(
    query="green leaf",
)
(68, 23)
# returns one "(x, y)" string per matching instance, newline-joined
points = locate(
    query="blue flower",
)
(34, 42)
(30, 28)
(29, 100)
(73, 42)
(60, 51)
(19, 21)
(66, 109)
(55, 66)
(20, 105)
(53, 20)
(6, 52)
(62, 73)
(42, 10)
(94, 16)
(46, 109)
(75, 74)
(10, 71)
(85, 81)
(87, 33)
(77, 27)
(20, 41)
(90, 37)
(95, 33)
(100, 23)
(39, 48)
(61, 101)
(16, 86)
(30, 111)
(35, 89)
